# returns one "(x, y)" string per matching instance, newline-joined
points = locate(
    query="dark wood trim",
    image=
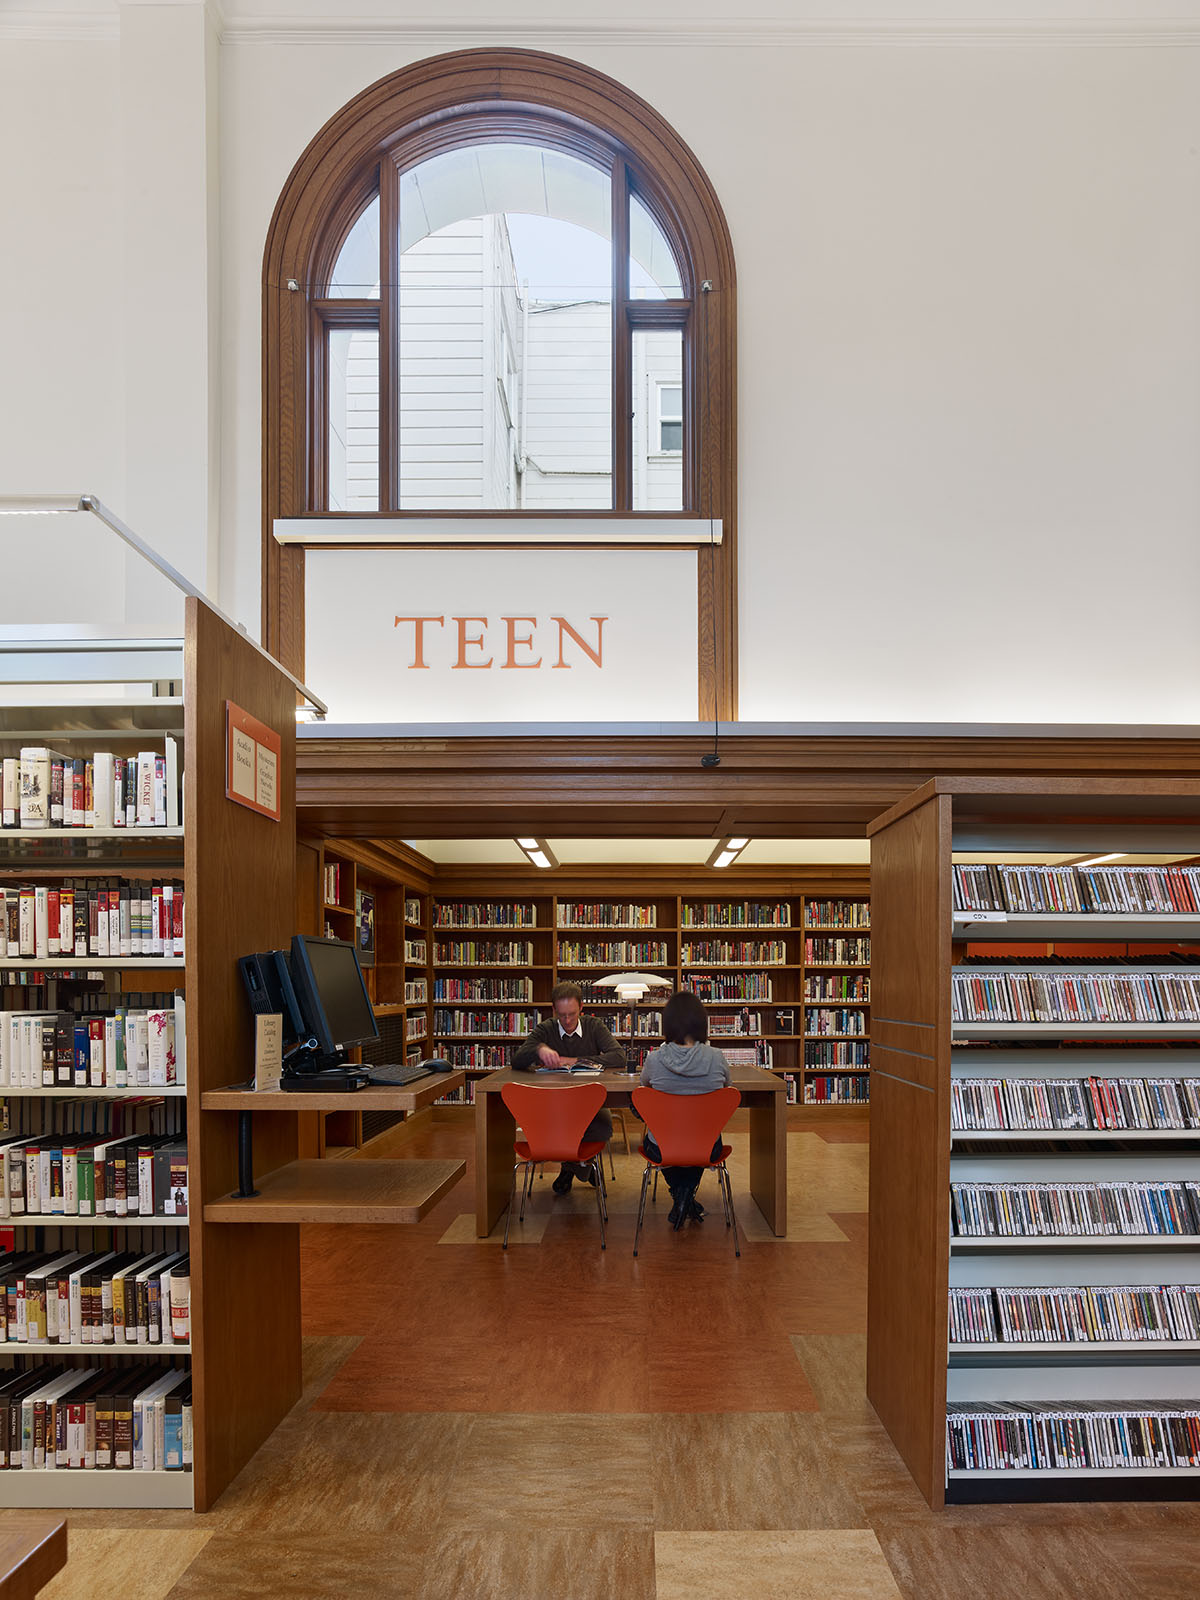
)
(783, 786)
(408, 115)
(623, 399)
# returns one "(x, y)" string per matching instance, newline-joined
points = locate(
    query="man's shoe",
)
(585, 1174)
(681, 1209)
(673, 1215)
(695, 1210)
(562, 1184)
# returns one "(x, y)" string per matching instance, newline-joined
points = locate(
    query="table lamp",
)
(631, 987)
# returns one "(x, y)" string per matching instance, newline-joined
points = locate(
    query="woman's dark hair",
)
(684, 1018)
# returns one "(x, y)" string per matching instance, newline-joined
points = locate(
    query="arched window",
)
(497, 283)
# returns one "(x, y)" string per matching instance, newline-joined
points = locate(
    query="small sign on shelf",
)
(251, 762)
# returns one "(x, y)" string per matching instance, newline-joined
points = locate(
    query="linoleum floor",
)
(554, 1421)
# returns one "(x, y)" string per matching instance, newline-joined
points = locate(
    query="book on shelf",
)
(1042, 890)
(832, 950)
(416, 992)
(415, 1027)
(412, 911)
(108, 1299)
(834, 1021)
(737, 914)
(728, 1024)
(1068, 1435)
(731, 952)
(836, 1088)
(725, 986)
(835, 1053)
(479, 1057)
(96, 1419)
(479, 989)
(1092, 994)
(333, 883)
(514, 1024)
(838, 986)
(614, 953)
(758, 1054)
(415, 952)
(57, 1174)
(1107, 1209)
(130, 1047)
(605, 914)
(93, 917)
(44, 789)
(1074, 1104)
(464, 1095)
(484, 914)
(475, 953)
(1136, 1313)
(837, 914)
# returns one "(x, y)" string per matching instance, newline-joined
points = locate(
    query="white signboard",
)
(502, 635)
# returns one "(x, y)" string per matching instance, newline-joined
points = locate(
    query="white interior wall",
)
(968, 330)
(62, 368)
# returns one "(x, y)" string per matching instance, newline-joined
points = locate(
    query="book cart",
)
(961, 1095)
(785, 975)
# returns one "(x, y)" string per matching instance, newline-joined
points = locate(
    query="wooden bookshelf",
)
(914, 1256)
(244, 1382)
(634, 916)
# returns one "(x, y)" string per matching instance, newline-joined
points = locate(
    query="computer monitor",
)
(332, 994)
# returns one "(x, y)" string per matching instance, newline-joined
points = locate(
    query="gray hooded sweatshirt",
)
(685, 1069)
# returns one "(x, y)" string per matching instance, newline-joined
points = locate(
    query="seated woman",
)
(685, 1064)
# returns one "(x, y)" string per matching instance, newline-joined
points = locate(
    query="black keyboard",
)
(394, 1077)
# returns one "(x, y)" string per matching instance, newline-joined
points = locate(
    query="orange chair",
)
(685, 1128)
(553, 1118)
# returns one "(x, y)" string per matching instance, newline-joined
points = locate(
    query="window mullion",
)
(389, 323)
(622, 354)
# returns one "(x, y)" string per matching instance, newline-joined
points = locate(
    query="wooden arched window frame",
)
(473, 97)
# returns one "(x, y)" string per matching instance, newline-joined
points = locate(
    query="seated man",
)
(561, 1040)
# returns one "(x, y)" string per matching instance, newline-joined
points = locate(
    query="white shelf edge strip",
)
(496, 530)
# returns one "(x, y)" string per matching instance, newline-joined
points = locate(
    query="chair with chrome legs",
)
(554, 1118)
(687, 1129)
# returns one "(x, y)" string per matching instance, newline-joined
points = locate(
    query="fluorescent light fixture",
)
(39, 505)
(538, 852)
(1096, 861)
(727, 850)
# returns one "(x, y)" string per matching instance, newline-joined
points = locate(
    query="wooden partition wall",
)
(910, 1136)
(240, 885)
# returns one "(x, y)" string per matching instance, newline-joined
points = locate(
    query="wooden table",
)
(764, 1094)
(33, 1547)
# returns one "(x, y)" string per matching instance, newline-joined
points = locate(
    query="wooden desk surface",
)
(350, 1191)
(33, 1547)
(410, 1098)
(620, 1085)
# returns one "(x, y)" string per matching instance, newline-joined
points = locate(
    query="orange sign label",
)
(252, 752)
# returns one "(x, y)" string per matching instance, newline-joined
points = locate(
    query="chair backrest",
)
(553, 1116)
(686, 1126)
